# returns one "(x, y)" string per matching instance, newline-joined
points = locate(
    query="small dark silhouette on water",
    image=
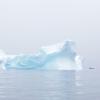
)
(91, 68)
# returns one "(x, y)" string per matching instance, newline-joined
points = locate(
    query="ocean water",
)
(49, 85)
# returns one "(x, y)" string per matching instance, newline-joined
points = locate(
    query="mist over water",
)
(47, 85)
(26, 25)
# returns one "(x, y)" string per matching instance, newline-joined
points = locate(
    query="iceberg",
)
(2, 56)
(61, 56)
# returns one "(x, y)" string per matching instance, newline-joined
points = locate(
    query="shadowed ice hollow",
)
(61, 56)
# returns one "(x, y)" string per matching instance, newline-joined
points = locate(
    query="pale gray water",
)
(49, 85)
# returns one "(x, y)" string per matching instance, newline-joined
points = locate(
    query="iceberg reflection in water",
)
(49, 85)
(37, 85)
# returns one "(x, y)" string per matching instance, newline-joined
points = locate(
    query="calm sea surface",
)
(49, 85)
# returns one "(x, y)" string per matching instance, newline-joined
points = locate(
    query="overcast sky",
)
(25, 25)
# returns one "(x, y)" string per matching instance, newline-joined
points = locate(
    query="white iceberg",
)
(2, 56)
(61, 56)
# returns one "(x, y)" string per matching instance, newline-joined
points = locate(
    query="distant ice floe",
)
(61, 56)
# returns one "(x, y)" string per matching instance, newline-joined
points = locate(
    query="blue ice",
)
(61, 56)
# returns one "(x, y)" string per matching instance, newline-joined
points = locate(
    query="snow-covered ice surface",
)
(61, 56)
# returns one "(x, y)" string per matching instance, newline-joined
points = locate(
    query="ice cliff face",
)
(61, 56)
